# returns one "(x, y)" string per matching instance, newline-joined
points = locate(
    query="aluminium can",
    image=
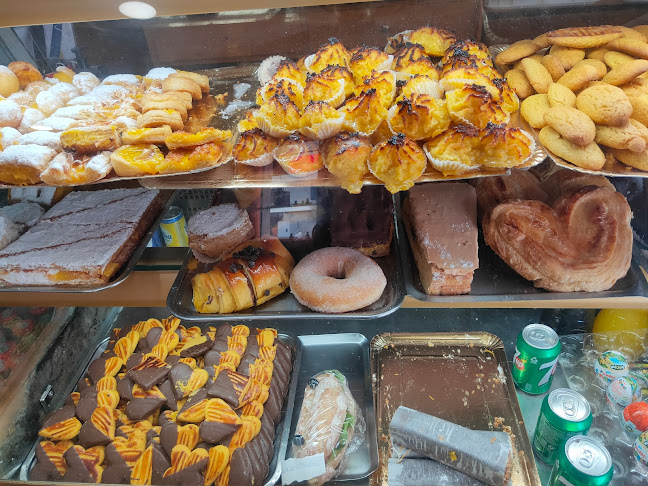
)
(536, 356)
(564, 414)
(173, 228)
(583, 461)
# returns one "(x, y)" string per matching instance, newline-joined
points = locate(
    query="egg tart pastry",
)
(188, 159)
(247, 123)
(255, 147)
(419, 117)
(397, 162)
(206, 135)
(345, 156)
(278, 117)
(473, 105)
(434, 41)
(363, 113)
(299, 156)
(182, 83)
(281, 86)
(324, 88)
(367, 59)
(331, 54)
(87, 140)
(384, 82)
(340, 72)
(422, 85)
(67, 170)
(505, 147)
(290, 70)
(398, 41)
(320, 121)
(23, 164)
(200, 79)
(468, 47)
(146, 135)
(456, 151)
(136, 160)
(158, 118)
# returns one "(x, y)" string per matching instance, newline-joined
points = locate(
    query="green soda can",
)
(582, 462)
(536, 356)
(564, 414)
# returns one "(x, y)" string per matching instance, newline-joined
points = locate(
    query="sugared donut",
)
(337, 280)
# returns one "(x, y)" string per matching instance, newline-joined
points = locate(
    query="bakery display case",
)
(227, 231)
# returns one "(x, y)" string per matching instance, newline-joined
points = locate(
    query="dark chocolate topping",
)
(140, 408)
(197, 350)
(90, 436)
(97, 369)
(151, 339)
(172, 359)
(134, 360)
(83, 383)
(220, 344)
(215, 432)
(169, 437)
(212, 357)
(160, 463)
(167, 390)
(256, 461)
(195, 397)
(77, 472)
(224, 388)
(180, 373)
(44, 470)
(224, 330)
(189, 476)
(149, 373)
(125, 388)
(60, 415)
(116, 474)
(241, 468)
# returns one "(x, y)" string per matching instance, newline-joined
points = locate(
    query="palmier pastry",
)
(136, 160)
(87, 140)
(278, 117)
(472, 104)
(456, 151)
(419, 117)
(182, 83)
(188, 159)
(323, 88)
(255, 147)
(25, 72)
(363, 113)
(185, 140)
(320, 121)
(384, 82)
(278, 86)
(170, 104)
(200, 79)
(397, 162)
(22, 164)
(434, 41)
(146, 135)
(170, 96)
(158, 118)
(345, 156)
(331, 54)
(367, 59)
(67, 170)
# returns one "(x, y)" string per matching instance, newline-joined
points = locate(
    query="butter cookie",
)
(626, 72)
(517, 51)
(632, 136)
(533, 110)
(560, 95)
(537, 75)
(567, 55)
(519, 83)
(576, 78)
(554, 66)
(588, 157)
(605, 105)
(571, 124)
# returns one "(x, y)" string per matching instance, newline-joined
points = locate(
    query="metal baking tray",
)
(349, 354)
(167, 198)
(233, 175)
(612, 167)
(282, 429)
(460, 377)
(495, 281)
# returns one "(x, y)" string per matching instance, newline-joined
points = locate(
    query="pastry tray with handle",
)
(349, 354)
(167, 198)
(495, 281)
(282, 429)
(612, 167)
(460, 377)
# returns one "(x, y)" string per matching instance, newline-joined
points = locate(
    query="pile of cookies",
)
(586, 90)
(71, 128)
(427, 97)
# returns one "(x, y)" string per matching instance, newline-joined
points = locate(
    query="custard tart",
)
(136, 160)
(188, 159)
(419, 117)
(397, 162)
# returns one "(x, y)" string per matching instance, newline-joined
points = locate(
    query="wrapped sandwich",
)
(329, 422)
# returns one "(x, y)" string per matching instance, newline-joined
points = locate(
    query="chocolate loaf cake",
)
(82, 240)
(169, 405)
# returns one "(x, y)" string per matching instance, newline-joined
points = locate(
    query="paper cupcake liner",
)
(324, 130)
(431, 88)
(450, 84)
(265, 159)
(267, 127)
(510, 163)
(448, 167)
(338, 97)
(402, 76)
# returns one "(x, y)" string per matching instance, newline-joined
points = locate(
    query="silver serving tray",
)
(282, 430)
(167, 200)
(285, 306)
(495, 281)
(348, 353)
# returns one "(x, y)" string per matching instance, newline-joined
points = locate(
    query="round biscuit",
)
(516, 51)
(537, 75)
(636, 87)
(588, 157)
(605, 105)
(568, 56)
(534, 108)
(578, 77)
(519, 83)
(627, 137)
(560, 95)
(601, 68)
(626, 72)
(554, 66)
(572, 124)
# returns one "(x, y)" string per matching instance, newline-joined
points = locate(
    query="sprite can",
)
(564, 414)
(582, 462)
(173, 228)
(536, 356)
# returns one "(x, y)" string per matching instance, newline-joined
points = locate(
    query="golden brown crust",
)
(182, 83)
(158, 118)
(25, 72)
(517, 51)
(584, 37)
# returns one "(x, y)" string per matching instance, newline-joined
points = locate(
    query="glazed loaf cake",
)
(83, 240)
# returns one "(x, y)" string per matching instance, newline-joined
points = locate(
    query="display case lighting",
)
(137, 10)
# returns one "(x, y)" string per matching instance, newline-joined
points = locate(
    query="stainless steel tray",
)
(435, 374)
(125, 270)
(282, 430)
(285, 306)
(495, 281)
(348, 353)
